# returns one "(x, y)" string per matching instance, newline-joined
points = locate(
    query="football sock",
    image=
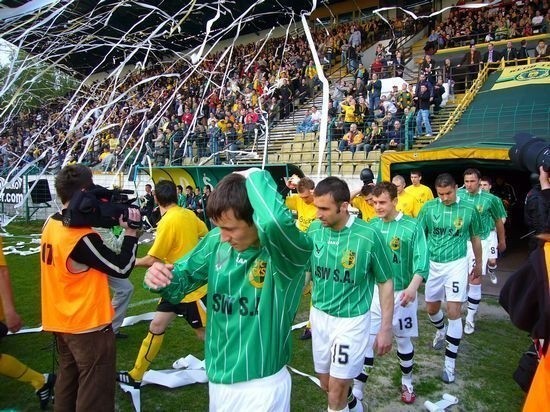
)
(405, 354)
(354, 405)
(438, 320)
(474, 297)
(454, 333)
(149, 350)
(11, 367)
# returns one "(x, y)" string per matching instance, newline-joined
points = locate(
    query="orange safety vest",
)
(72, 301)
(538, 398)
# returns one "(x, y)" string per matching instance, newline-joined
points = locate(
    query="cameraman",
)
(76, 304)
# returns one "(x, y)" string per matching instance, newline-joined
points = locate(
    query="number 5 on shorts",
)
(340, 354)
(456, 288)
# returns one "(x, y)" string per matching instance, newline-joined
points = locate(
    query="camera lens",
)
(530, 152)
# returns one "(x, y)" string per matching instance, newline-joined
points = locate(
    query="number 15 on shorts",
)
(340, 354)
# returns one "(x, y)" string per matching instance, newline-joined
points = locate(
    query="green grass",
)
(484, 366)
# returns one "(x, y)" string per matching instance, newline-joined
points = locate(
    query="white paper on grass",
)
(170, 378)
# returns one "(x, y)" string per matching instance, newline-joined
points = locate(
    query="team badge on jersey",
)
(256, 275)
(480, 208)
(395, 243)
(458, 222)
(348, 259)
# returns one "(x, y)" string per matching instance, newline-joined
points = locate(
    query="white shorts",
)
(339, 344)
(270, 394)
(492, 245)
(448, 280)
(485, 249)
(405, 321)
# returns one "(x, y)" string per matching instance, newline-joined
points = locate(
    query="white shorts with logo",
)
(339, 344)
(405, 321)
(485, 255)
(270, 394)
(448, 281)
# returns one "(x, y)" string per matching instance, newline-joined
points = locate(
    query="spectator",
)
(396, 137)
(374, 88)
(491, 55)
(423, 116)
(510, 54)
(352, 140)
(376, 139)
(541, 51)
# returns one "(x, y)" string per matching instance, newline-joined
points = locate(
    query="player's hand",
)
(502, 246)
(158, 276)
(407, 296)
(247, 172)
(383, 342)
(476, 271)
(13, 321)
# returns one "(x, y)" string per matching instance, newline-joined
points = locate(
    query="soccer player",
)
(449, 222)
(420, 192)
(302, 204)
(405, 245)
(345, 264)
(486, 184)
(253, 261)
(362, 199)
(492, 214)
(10, 366)
(178, 231)
(406, 203)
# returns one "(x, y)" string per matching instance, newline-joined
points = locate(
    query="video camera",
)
(100, 207)
(530, 152)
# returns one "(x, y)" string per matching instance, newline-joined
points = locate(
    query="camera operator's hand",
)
(133, 216)
(544, 178)
(158, 276)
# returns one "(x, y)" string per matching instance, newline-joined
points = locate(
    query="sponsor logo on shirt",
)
(256, 275)
(395, 243)
(458, 222)
(348, 259)
(318, 250)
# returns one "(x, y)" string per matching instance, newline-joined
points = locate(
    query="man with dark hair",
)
(76, 304)
(448, 224)
(420, 192)
(178, 231)
(405, 245)
(147, 205)
(345, 266)
(254, 262)
(493, 215)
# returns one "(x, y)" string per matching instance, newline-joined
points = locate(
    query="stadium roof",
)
(92, 36)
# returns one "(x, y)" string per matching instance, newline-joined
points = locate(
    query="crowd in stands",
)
(216, 108)
(505, 20)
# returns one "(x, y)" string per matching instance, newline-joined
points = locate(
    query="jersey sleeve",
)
(499, 210)
(190, 272)
(202, 229)
(421, 262)
(288, 247)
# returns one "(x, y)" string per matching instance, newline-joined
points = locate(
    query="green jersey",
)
(252, 295)
(488, 207)
(405, 244)
(448, 228)
(345, 265)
